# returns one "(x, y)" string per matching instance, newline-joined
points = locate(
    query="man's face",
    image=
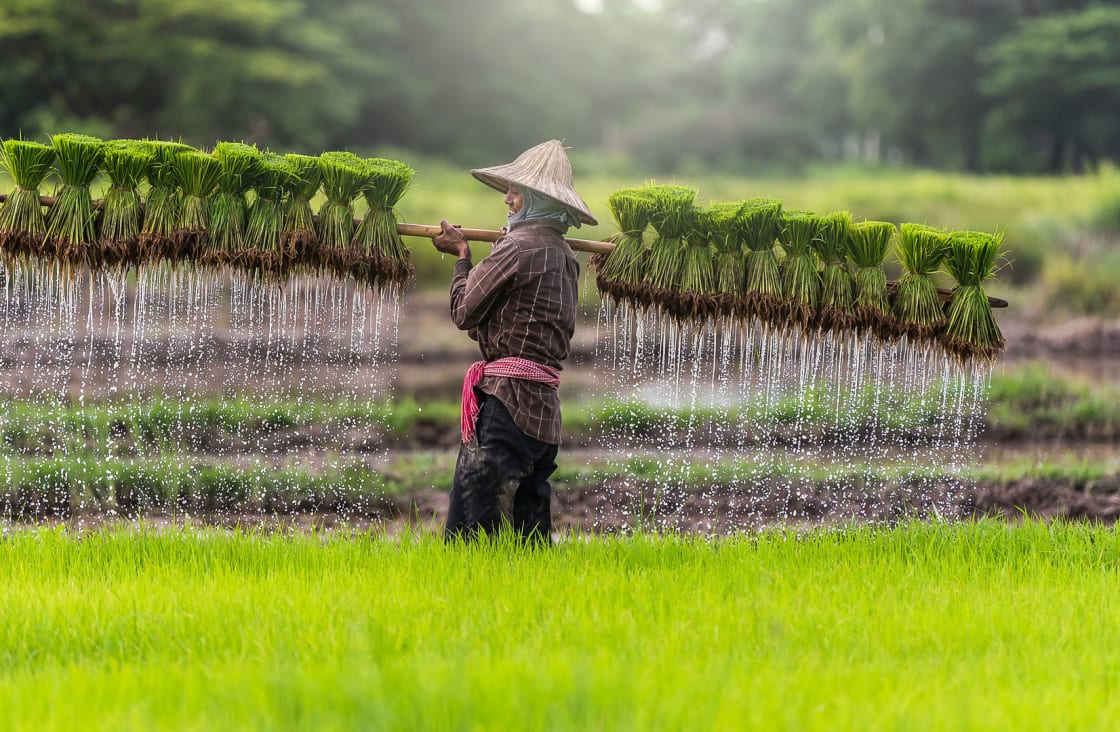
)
(514, 200)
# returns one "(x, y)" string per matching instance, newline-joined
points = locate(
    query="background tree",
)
(1018, 85)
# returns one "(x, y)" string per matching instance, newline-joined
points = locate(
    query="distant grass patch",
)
(1032, 401)
(1026, 402)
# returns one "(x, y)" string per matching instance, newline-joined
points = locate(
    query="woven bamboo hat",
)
(543, 169)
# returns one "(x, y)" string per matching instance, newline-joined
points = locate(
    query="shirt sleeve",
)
(475, 289)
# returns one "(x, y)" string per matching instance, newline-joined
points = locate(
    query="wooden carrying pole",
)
(427, 231)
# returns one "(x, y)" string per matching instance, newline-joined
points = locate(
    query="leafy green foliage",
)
(22, 223)
(921, 249)
(240, 168)
(266, 218)
(801, 278)
(759, 223)
(674, 217)
(837, 286)
(345, 175)
(971, 331)
(384, 257)
(126, 164)
(70, 223)
(867, 246)
(618, 272)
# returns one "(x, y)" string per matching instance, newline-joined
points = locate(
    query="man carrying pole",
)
(520, 304)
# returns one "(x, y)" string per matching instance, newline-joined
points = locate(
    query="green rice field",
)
(925, 626)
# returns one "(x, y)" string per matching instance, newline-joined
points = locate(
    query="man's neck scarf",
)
(538, 206)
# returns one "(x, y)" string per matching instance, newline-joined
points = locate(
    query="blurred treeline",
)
(976, 85)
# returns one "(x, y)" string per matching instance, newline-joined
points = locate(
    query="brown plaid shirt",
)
(521, 301)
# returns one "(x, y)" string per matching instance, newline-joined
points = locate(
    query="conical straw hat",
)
(543, 169)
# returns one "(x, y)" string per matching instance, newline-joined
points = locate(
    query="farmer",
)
(519, 303)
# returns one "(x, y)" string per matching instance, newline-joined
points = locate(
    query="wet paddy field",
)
(180, 398)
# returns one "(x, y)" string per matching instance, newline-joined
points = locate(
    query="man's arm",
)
(474, 290)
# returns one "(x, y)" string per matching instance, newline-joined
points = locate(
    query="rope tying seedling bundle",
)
(867, 247)
(917, 306)
(298, 241)
(161, 206)
(22, 225)
(381, 254)
(227, 210)
(760, 222)
(126, 163)
(971, 332)
(70, 226)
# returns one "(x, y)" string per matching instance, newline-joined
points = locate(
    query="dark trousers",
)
(501, 477)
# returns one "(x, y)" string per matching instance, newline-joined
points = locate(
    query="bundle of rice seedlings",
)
(378, 253)
(345, 175)
(198, 175)
(674, 217)
(801, 279)
(971, 331)
(240, 164)
(70, 226)
(837, 288)
(161, 205)
(921, 250)
(758, 225)
(713, 278)
(22, 225)
(298, 241)
(263, 251)
(867, 247)
(617, 273)
(126, 163)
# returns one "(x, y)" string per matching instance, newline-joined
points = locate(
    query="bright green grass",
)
(976, 626)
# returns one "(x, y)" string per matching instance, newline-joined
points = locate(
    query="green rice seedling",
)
(712, 273)
(867, 247)
(759, 224)
(162, 203)
(674, 220)
(22, 225)
(617, 273)
(299, 242)
(378, 253)
(126, 163)
(263, 251)
(345, 175)
(240, 165)
(971, 331)
(917, 306)
(197, 174)
(801, 278)
(837, 288)
(70, 224)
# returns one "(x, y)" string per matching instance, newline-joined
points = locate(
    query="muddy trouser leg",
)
(501, 476)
